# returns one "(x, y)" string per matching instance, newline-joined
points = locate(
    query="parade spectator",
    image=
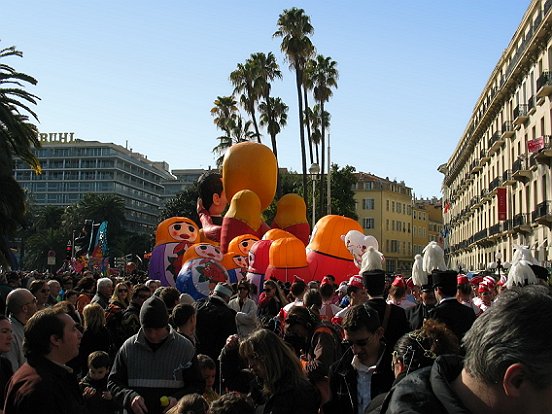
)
(21, 305)
(97, 398)
(5, 289)
(364, 370)
(120, 296)
(44, 384)
(156, 362)
(327, 291)
(464, 294)
(70, 310)
(68, 285)
(484, 294)
(232, 403)
(104, 290)
(215, 321)
(171, 296)
(41, 291)
(246, 310)
(297, 292)
(190, 404)
(457, 317)
(208, 370)
(419, 313)
(55, 289)
(86, 287)
(95, 336)
(153, 284)
(13, 280)
(507, 367)
(313, 301)
(114, 313)
(357, 296)
(6, 370)
(285, 387)
(184, 319)
(397, 293)
(271, 300)
(130, 320)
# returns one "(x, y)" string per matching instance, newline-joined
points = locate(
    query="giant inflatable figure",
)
(172, 239)
(201, 271)
(236, 260)
(326, 252)
(357, 244)
(210, 206)
(288, 259)
(291, 215)
(258, 263)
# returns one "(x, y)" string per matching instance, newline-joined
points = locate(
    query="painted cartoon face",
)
(245, 246)
(240, 261)
(208, 251)
(183, 231)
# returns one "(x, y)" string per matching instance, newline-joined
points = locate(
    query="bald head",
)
(21, 303)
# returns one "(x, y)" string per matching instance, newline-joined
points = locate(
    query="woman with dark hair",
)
(41, 291)
(86, 288)
(5, 366)
(183, 319)
(285, 387)
(271, 300)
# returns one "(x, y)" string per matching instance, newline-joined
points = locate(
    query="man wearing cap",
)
(215, 321)
(457, 317)
(464, 293)
(419, 313)
(357, 296)
(156, 362)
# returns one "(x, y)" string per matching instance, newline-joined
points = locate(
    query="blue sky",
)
(148, 72)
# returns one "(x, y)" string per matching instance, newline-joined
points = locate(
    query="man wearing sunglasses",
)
(364, 369)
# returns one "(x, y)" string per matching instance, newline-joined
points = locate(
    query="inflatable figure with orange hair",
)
(173, 237)
(287, 259)
(326, 252)
(236, 259)
(201, 271)
(258, 263)
(291, 216)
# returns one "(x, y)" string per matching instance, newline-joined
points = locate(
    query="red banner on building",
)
(501, 198)
(535, 145)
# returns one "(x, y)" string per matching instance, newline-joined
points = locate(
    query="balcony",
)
(494, 185)
(531, 105)
(486, 195)
(507, 129)
(520, 170)
(475, 167)
(495, 230)
(507, 178)
(484, 157)
(495, 142)
(521, 223)
(476, 202)
(521, 114)
(479, 236)
(544, 84)
(543, 214)
(508, 226)
(544, 155)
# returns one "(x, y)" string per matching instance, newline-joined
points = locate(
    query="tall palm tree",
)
(17, 138)
(100, 207)
(294, 27)
(239, 132)
(243, 79)
(307, 86)
(324, 78)
(225, 112)
(274, 116)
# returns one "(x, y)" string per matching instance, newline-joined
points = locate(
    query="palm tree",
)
(294, 28)
(274, 116)
(243, 79)
(324, 78)
(225, 111)
(48, 217)
(239, 132)
(317, 118)
(17, 138)
(103, 207)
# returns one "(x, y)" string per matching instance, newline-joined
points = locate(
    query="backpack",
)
(337, 333)
(113, 323)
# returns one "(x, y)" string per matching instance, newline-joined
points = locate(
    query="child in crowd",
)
(208, 371)
(190, 404)
(97, 398)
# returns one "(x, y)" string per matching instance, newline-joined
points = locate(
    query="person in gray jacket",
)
(156, 367)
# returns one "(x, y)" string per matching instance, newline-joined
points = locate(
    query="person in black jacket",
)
(44, 384)
(507, 368)
(419, 313)
(364, 367)
(457, 317)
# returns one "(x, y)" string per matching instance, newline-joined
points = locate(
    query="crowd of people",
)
(85, 343)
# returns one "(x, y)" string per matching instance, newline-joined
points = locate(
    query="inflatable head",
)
(176, 230)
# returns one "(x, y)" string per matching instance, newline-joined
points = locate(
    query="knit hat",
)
(399, 281)
(356, 281)
(462, 280)
(223, 289)
(153, 313)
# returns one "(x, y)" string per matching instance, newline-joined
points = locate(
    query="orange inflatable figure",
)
(236, 260)
(326, 252)
(291, 215)
(288, 258)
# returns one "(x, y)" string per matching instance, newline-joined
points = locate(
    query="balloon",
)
(258, 263)
(288, 258)
(199, 275)
(251, 166)
(291, 215)
(357, 243)
(243, 217)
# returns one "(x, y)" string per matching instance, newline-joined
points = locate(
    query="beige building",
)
(386, 211)
(497, 187)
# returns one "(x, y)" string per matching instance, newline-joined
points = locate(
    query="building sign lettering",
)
(62, 137)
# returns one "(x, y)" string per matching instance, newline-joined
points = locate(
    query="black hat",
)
(444, 278)
(540, 272)
(374, 278)
(153, 313)
(429, 285)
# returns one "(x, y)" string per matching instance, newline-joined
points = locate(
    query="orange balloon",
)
(287, 252)
(274, 234)
(326, 235)
(177, 230)
(250, 166)
(290, 210)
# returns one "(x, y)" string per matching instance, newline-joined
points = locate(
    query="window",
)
(368, 204)
(368, 223)
(387, 205)
(395, 246)
(368, 185)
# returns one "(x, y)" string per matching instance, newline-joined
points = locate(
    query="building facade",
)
(72, 168)
(387, 211)
(497, 188)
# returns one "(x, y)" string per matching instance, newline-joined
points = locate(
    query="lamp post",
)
(314, 170)
(498, 257)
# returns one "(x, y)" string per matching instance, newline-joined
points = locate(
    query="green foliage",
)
(184, 204)
(342, 182)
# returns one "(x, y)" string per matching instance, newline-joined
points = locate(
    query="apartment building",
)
(497, 186)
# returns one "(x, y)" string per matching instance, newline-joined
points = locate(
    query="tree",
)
(274, 116)
(48, 217)
(294, 28)
(182, 205)
(343, 200)
(324, 78)
(17, 138)
(40, 243)
(239, 132)
(243, 79)
(225, 111)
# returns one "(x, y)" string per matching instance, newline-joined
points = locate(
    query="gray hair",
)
(516, 329)
(104, 281)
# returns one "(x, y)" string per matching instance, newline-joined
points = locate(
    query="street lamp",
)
(498, 264)
(314, 170)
